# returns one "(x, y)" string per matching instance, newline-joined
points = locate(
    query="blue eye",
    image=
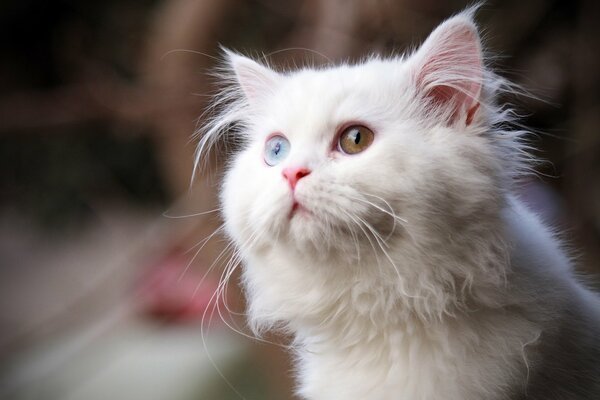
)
(276, 150)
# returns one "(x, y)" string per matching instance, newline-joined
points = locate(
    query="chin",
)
(315, 239)
(305, 230)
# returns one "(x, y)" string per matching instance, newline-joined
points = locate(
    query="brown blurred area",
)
(98, 102)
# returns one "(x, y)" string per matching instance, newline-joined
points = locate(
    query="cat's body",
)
(406, 270)
(537, 339)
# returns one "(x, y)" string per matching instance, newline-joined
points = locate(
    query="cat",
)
(372, 207)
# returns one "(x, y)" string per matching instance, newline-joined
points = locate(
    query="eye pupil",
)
(357, 137)
(276, 149)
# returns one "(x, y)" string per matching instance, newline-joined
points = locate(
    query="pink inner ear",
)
(451, 74)
(445, 96)
(458, 101)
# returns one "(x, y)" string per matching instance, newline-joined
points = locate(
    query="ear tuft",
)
(255, 80)
(449, 69)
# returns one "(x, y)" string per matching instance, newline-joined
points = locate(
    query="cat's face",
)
(315, 192)
(349, 157)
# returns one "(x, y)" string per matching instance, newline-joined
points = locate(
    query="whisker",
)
(215, 261)
(354, 239)
(391, 211)
(374, 232)
(298, 48)
(168, 53)
(203, 242)
(206, 349)
(221, 291)
(166, 215)
(206, 239)
(380, 243)
(365, 233)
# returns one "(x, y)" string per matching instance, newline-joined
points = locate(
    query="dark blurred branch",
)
(84, 102)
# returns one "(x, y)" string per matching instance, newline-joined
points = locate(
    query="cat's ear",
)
(448, 70)
(255, 80)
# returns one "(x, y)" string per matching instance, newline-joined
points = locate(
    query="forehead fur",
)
(311, 101)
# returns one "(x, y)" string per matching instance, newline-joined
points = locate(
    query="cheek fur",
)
(254, 198)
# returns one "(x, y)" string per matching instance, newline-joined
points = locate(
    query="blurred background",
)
(104, 290)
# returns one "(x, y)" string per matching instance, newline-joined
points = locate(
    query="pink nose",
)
(294, 174)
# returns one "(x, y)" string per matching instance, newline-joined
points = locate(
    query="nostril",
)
(294, 174)
(302, 173)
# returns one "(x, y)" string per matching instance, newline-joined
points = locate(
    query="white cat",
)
(372, 208)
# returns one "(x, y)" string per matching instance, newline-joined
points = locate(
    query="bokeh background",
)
(103, 285)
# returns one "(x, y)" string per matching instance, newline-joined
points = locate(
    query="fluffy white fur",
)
(415, 274)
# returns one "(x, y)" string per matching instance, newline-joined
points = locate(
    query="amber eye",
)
(355, 139)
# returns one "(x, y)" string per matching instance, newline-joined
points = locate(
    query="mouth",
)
(297, 208)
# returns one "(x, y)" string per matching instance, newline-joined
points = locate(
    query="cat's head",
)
(343, 158)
